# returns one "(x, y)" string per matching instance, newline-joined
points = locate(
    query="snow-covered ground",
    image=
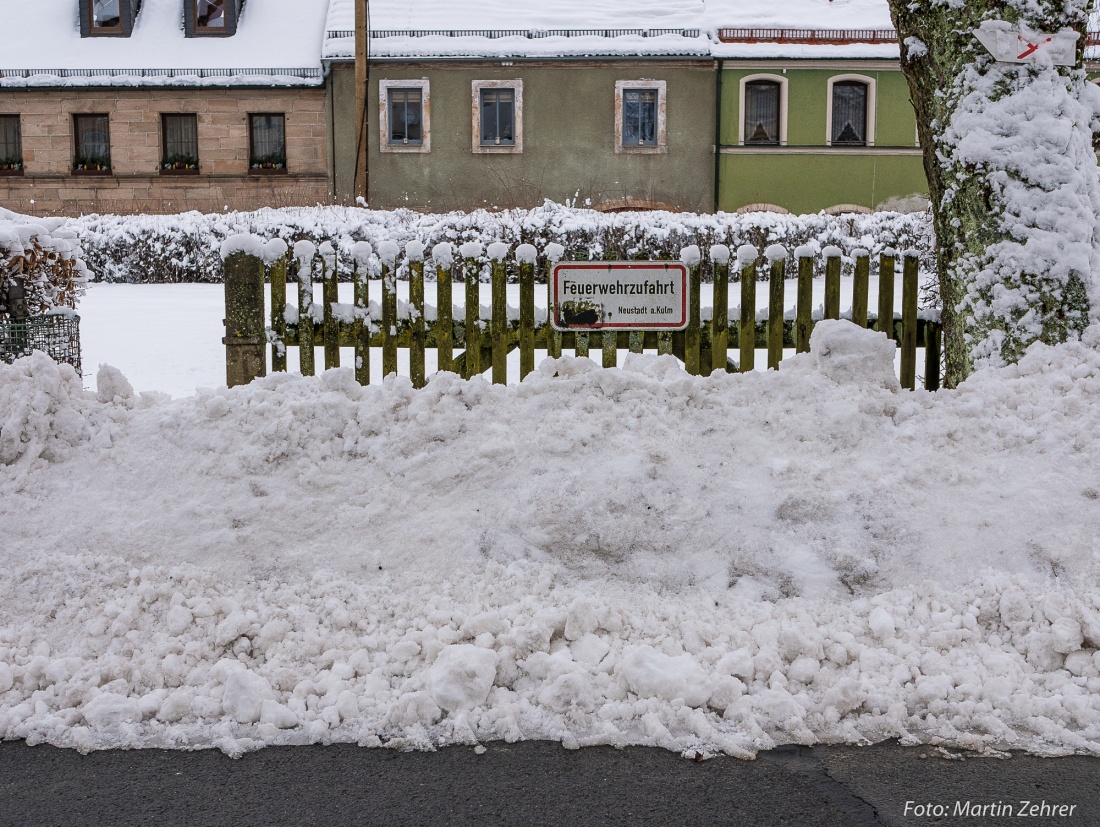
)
(627, 556)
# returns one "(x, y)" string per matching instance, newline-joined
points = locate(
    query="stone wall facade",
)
(136, 184)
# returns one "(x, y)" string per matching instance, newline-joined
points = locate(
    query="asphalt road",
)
(539, 783)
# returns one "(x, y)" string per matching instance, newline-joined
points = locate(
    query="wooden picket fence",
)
(470, 346)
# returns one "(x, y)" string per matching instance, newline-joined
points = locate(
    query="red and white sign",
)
(1020, 44)
(619, 295)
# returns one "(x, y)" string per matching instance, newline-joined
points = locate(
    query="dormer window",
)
(107, 18)
(211, 18)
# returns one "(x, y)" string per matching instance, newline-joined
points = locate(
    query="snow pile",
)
(717, 563)
(185, 247)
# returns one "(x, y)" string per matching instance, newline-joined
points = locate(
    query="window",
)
(497, 108)
(266, 143)
(763, 111)
(404, 116)
(180, 145)
(640, 116)
(11, 146)
(210, 18)
(91, 144)
(209, 14)
(112, 18)
(851, 111)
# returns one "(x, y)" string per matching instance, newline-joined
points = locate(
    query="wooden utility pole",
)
(362, 37)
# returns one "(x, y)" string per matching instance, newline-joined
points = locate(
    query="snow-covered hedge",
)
(186, 247)
(47, 255)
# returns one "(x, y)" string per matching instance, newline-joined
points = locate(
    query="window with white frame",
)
(640, 109)
(404, 110)
(497, 111)
(763, 111)
(851, 111)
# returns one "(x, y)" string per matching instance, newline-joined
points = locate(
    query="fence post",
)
(932, 338)
(388, 251)
(720, 314)
(498, 251)
(909, 320)
(746, 334)
(444, 257)
(832, 282)
(609, 344)
(804, 323)
(886, 292)
(777, 257)
(361, 252)
(275, 251)
(304, 252)
(414, 254)
(693, 336)
(245, 336)
(553, 253)
(471, 251)
(526, 255)
(860, 283)
(330, 296)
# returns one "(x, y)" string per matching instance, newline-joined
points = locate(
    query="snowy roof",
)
(504, 28)
(277, 42)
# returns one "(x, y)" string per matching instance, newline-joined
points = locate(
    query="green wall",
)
(807, 175)
(568, 137)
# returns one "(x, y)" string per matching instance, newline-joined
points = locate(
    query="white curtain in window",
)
(849, 113)
(762, 112)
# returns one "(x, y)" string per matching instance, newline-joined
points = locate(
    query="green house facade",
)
(802, 168)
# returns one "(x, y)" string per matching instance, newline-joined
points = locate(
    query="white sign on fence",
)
(1016, 44)
(622, 295)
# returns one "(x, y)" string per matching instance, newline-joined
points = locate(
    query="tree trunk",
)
(1012, 176)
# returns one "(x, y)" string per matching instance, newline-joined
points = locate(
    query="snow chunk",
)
(832, 251)
(112, 387)
(304, 251)
(471, 249)
(462, 676)
(526, 254)
(498, 251)
(651, 674)
(246, 243)
(108, 711)
(690, 255)
(414, 251)
(361, 251)
(274, 250)
(720, 254)
(849, 354)
(804, 251)
(328, 254)
(387, 251)
(243, 691)
(775, 252)
(443, 254)
(747, 254)
(914, 48)
(554, 252)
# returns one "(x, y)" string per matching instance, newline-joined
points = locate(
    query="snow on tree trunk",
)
(1012, 175)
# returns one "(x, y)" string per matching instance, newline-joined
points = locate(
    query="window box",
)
(11, 168)
(497, 110)
(640, 108)
(107, 18)
(211, 18)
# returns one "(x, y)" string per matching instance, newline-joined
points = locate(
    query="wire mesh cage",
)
(55, 334)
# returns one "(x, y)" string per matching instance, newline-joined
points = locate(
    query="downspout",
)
(718, 132)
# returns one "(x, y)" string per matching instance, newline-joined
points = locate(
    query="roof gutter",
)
(717, 131)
